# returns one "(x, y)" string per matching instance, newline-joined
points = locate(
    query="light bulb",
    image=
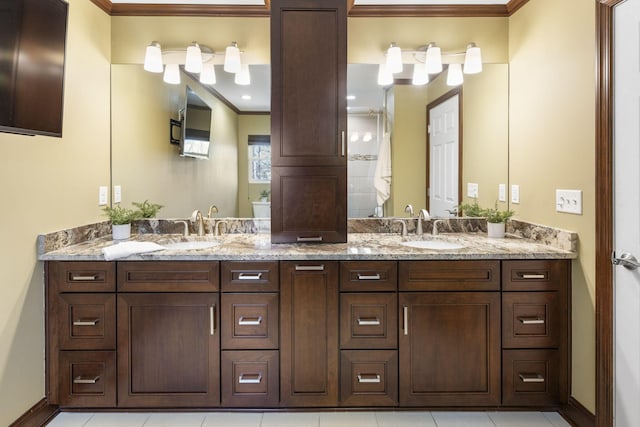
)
(153, 58)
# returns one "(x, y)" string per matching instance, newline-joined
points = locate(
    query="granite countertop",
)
(360, 246)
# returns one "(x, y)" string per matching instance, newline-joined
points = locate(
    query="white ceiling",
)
(356, 2)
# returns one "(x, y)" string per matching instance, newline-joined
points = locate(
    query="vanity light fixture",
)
(385, 78)
(171, 74)
(420, 75)
(208, 74)
(153, 58)
(193, 61)
(232, 63)
(472, 59)
(243, 78)
(367, 137)
(394, 59)
(454, 75)
(433, 59)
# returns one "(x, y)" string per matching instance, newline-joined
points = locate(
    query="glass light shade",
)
(172, 74)
(433, 59)
(473, 60)
(193, 62)
(420, 75)
(243, 78)
(394, 59)
(153, 58)
(208, 74)
(232, 62)
(454, 75)
(385, 78)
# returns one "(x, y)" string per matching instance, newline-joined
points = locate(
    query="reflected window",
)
(259, 159)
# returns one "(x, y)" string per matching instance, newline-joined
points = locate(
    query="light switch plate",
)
(569, 201)
(472, 190)
(502, 192)
(117, 194)
(103, 195)
(515, 194)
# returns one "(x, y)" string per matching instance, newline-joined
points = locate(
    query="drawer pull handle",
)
(250, 379)
(86, 322)
(309, 239)
(249, 321)
(249, 276)
(84, 278)
(369, 277)
(532, 276)
(531, 320)
(405, 319)
(80, 380)
(212, 320)
(368, 321)
(531, 378)
(310, 267)
(369, 378)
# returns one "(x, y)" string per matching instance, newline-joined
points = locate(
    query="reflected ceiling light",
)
(243, 78)
(153, 58)
(351, 97)
(454, 75)
(172, 74)
(433, 59)
(472, 59)
(246, 97)
(193, 60)
(394, 59)
(385, 78)
(420, 75)
(208, 74)
(232, 62)
(367, 137)
(354, 136)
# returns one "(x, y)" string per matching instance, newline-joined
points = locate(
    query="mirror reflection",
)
(147, 166)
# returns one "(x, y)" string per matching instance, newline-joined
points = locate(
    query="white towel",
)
(124, 249)
(382, 175)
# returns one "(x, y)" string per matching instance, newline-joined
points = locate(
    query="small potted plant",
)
(147, 209)
(264, 195)
(496, 220)
(121, 220)
(471, 209)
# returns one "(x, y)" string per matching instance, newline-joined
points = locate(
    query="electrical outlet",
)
(569, 201)
(472, 190)
(515, 194)
(103, 195)
(502, 192)
(117, 194)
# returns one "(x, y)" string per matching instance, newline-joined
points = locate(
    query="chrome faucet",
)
(185, 232)
(409, 209)
(422, 214)
(404, 227)
(216, 228)
(212, 209)
(435, 227)
(196, 217)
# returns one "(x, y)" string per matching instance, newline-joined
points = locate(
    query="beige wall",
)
(249, 125)
(552, 140)
(50, 184)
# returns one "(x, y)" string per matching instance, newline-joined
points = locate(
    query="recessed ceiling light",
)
(246, 97)
(348, 108)
(351, 97)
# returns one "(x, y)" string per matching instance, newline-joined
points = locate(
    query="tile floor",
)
(310, 419)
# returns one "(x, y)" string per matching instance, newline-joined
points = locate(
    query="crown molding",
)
(140, 9)
(104, 5)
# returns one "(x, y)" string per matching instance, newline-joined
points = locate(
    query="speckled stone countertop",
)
(360, 246)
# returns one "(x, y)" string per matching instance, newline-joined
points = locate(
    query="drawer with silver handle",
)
(249, 276)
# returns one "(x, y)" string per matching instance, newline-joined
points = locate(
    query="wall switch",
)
(515, 194)
(117, 194)
(569, 201)
(502, 192)
(103, 195)
(472, 190)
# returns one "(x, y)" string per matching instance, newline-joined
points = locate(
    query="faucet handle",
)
(404, 227)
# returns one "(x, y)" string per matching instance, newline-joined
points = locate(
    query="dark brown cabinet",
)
(309, 333)
(308, 121)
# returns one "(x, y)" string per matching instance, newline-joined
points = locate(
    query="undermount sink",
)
(186, 246)
(432, 244)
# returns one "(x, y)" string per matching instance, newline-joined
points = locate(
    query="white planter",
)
(121, 231)
(495, 230)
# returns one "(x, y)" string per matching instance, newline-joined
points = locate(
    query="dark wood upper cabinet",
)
(309, 121)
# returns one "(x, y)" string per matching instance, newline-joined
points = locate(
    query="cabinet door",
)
(168, 350)
(309, 334)
(450, 349)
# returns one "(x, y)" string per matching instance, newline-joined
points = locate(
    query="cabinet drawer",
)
(530, 377)
(250, 378)
(449, 275)
(530, 319)
(249, 276)
(168, 276)
(87, 321)
(369, 320)
(249, 321)
(82, 276)
(88, 378)
(369, 378)
(535, 275)
(368, 276)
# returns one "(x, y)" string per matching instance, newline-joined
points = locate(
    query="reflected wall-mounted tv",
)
(196, 127)
(32, 56)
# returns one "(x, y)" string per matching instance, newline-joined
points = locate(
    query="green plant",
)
(264, 194)
(494, 215)
(119, 215)
(471, 210)
(147, 209)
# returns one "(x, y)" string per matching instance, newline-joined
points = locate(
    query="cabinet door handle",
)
(310, 267)
(80, 380)
(75, 278)
(86, 322)
(369, 378)
(343, 144)
(368, 321)
(369, 277)
(531, 378)
(531, 320)
(250, 379)
(532, 276)
(405, 319)
(309, 239)
(212, 319)
(249, 321)
(249, 276)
